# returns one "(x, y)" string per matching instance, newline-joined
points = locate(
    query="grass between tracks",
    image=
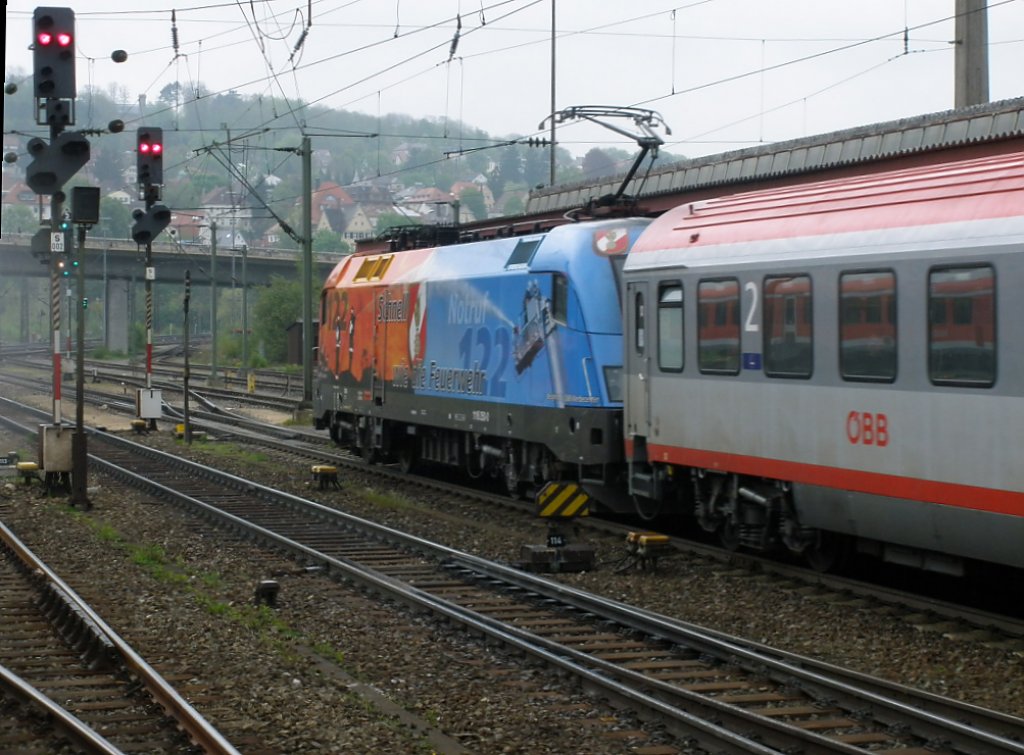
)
(206, 589)
(230, 451)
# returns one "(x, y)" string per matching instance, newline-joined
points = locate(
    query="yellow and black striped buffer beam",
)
(564, 500)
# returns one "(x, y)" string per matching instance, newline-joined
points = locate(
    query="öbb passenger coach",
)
(817, 368)
(837, 364)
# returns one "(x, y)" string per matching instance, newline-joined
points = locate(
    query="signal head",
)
(149, 142)
(54, 53)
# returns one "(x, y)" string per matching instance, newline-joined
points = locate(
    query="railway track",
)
(721, 693)
(68, 680)
(967, 617)
(301, 445)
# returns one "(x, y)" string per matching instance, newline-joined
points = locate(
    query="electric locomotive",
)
(837, 365)
(500, 357)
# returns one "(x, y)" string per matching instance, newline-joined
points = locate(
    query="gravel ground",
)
(197, 603)
(328, 671)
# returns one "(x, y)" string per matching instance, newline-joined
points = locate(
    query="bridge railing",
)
(183, 248)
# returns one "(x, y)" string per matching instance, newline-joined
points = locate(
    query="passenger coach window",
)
(962, 326)
(867, 326)
(670, 328)
(639, 333)
(718, 326)
(788, 332)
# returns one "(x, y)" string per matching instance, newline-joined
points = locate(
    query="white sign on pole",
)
(57, 242)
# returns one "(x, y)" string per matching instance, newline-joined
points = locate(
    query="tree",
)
(536, 167)
(109, 162)
(392, 220)
(278, 307)
(599, 164)
(473, 200)
(19, 219)
(514, 205)
(115, 220)
(509, 169)
(325, 240)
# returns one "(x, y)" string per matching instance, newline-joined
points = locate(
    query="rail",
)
(192, 722)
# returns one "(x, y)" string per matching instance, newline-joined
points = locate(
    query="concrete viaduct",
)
(120, 265)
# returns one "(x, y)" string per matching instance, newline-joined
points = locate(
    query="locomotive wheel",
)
(646, 508)
(728, 536)
(510, 476)
(407, 457)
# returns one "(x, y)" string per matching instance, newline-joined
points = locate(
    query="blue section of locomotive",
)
(501, 357)
(535, 323)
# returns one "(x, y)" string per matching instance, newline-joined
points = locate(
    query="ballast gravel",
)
(329, 670)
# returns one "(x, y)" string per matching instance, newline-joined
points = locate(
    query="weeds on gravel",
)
(386, 500)
(229, 451)
(203, 586)
(331, 653)
(154, 559)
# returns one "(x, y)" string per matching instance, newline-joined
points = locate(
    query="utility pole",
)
(245, 312)
(188, 373)
(307, 273)
(551, 181)
(971, 59)
(213, 304)
(85, 212)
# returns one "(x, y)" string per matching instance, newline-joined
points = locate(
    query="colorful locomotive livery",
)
(814, 368)
(457, 354)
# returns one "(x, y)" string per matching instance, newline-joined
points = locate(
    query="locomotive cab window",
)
(373, 268)
(670, 327)
(523, 253)
(560, 299)
(962, 326)
(867, 326)
(788, 331)
(718, 326)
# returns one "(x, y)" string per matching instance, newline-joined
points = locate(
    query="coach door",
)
(637, 366)
(380, 352)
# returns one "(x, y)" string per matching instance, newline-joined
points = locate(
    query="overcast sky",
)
(723, 74)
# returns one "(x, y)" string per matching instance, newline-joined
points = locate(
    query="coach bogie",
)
(751, 513)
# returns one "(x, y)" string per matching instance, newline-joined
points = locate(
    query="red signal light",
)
(150, 144)
(45, 38)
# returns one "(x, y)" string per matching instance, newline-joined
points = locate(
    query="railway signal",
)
(53, 53)
(150, 156)
(53, 164)
(149, 223)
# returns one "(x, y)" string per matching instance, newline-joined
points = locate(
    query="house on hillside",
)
(224, 207)
(18, 194)
(350, 222)
(189, 229)
(478, 184)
